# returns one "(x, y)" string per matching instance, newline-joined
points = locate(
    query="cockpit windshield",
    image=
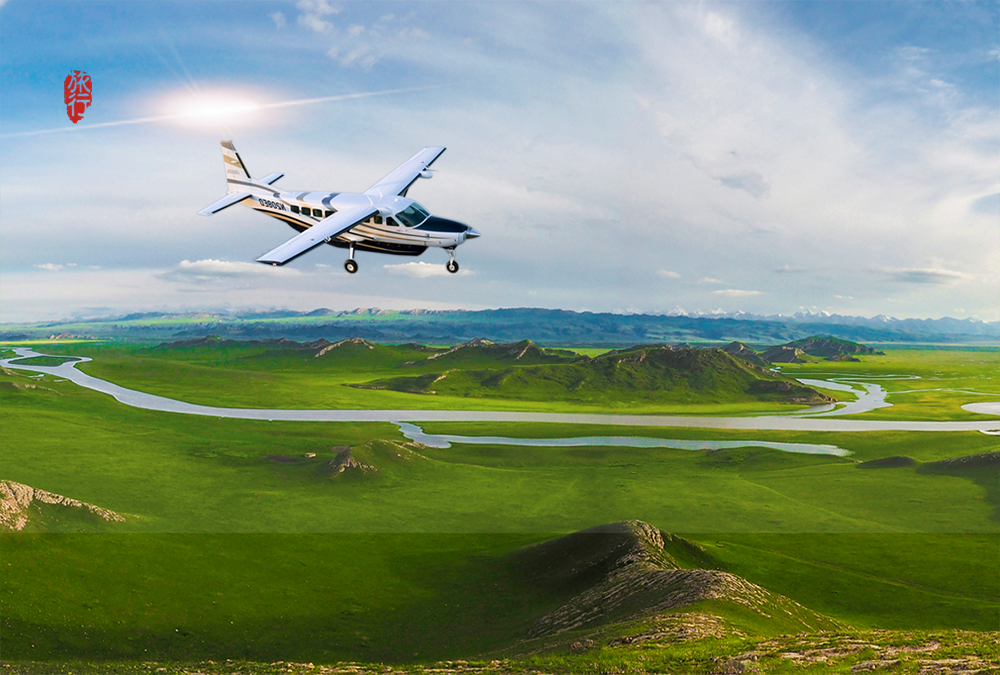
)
(413, 215)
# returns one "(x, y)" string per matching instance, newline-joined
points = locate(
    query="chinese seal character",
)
(77, 94)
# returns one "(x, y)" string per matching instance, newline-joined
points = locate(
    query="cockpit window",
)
(413, 215)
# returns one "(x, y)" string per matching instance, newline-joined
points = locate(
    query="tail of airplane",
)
(236, 171)
(238, 179)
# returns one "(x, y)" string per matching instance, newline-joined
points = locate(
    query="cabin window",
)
(294, 209)
(329, 213)
(392, 222)
(378, 220)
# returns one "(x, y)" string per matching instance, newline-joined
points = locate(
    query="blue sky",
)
(769, 157)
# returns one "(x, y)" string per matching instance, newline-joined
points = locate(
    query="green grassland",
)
(237, 545)
(258, 375)
(923, 384)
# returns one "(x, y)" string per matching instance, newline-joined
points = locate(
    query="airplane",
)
(381, 219)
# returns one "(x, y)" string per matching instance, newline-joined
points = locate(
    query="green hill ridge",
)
(649, 372)
(619, 577)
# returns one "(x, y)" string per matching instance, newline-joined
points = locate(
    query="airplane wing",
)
(328, 228)
(399, 181)
(224, 203)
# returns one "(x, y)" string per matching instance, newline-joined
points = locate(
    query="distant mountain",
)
(552, 327)
(831, 349)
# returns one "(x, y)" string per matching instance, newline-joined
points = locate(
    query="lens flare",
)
(213, 109)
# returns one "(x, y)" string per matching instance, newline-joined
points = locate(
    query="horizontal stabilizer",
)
(223, 203)
(327, 229)
(270, 178)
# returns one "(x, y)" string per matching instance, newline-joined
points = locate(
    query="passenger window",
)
(392, 222)
(329, 213)
(378, 220)
(294, 209)
(306, 211)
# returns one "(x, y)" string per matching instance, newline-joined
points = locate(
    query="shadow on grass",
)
(982, 469)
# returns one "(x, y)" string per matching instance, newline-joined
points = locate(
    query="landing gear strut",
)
(349, 264)
(452, 265)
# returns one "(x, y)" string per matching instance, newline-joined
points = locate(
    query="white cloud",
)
(365, 46)
(204, 271)
(51, 267)
(667, 274)
(924, 275)
(313, 13)
(709, 280)
(279, 19)
(722, 29)
(422, 270)
(736, 293)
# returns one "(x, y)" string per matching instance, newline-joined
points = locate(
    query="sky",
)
(663, 157)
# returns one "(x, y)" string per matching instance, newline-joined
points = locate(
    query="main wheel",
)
(350, 266)
(452, 266)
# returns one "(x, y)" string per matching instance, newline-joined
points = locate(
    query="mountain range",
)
(544, 326)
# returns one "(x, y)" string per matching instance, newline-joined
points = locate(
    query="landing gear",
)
(349, 264)
(452, 265)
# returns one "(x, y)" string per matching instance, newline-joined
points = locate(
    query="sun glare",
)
(230, 109)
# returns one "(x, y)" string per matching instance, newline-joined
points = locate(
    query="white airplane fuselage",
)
(385, 234)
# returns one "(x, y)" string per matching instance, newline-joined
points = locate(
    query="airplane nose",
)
(470, 233)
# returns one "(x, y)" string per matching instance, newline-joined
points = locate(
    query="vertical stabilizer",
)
(236, 171)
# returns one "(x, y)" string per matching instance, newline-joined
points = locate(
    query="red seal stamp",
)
(77, 94)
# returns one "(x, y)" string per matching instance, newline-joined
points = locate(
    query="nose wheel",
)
(452, 265)
(349, 264)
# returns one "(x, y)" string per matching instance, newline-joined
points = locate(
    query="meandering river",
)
(790, 422)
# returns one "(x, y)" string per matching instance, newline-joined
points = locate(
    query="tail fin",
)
(236, 171)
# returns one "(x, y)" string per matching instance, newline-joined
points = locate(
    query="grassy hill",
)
(658, 373)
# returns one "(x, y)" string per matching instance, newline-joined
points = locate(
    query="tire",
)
(350, 266)
(452, 266)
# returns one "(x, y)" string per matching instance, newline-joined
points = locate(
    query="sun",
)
(210, 110)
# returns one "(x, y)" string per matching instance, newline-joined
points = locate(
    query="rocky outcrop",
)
(621, 570)
(344, 461)
(741, 351)
(360, 342)
(783, 354)
(16, 500)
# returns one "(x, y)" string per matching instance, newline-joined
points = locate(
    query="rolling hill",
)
(651, 372)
